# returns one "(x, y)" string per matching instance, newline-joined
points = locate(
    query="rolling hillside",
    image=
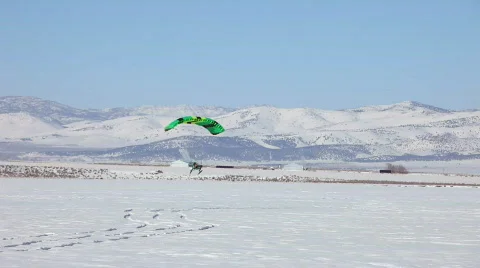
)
(406, 130)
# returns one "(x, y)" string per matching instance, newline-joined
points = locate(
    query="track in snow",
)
(162, 222)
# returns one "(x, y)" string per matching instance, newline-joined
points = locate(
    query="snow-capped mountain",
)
(48, 110)
(406, 130)
(15, 125)
(63, 114)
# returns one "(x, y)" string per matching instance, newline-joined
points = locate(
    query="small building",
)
(179, 163)
(293, 167)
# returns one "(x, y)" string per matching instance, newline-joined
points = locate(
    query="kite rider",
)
(196, 166)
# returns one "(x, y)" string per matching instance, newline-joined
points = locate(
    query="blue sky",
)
(324, 54)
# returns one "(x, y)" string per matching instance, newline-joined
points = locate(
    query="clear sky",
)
(324, 54)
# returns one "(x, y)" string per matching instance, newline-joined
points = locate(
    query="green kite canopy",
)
(211, 125)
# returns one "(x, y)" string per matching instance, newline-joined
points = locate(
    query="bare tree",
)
(397, 168)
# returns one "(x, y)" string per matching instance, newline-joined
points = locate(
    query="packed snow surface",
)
(177, 223)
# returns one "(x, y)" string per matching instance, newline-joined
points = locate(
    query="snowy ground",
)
(160, 223)
(148, 172)
(451, 167)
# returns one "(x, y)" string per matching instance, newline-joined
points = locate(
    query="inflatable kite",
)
(211, 125)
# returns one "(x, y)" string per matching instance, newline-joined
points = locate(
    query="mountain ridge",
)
(21, 102)
(404, 130)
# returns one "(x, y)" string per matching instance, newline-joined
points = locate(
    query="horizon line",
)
(239, 107)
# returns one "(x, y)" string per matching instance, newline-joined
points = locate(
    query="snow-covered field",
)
(168, 223)
(471, 167)
(113, 171)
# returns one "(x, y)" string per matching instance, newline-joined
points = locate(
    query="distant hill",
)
(406, 130)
